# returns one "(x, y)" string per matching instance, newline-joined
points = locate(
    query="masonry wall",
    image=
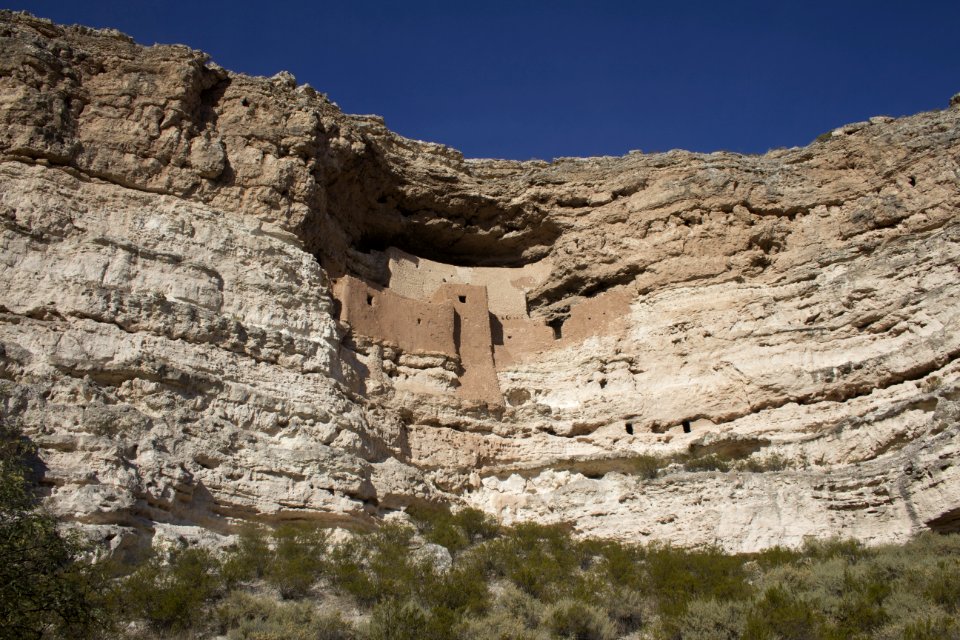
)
(413, 325)
(515, 338)
(473, 340)
(506, 287)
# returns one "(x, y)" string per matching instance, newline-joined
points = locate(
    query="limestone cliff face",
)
(222, 299)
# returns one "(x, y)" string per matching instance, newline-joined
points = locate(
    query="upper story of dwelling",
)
(477, 315)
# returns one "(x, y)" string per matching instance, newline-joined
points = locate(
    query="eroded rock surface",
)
(222, 299)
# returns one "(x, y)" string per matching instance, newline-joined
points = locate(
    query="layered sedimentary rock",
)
(222, 300)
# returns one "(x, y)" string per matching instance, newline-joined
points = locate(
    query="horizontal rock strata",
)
(223, 300)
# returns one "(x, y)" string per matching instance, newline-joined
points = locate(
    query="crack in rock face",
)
(224, 300)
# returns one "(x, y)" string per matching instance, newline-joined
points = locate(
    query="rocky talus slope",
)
(187, 255)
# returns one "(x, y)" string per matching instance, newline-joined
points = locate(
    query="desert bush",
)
(617, 563)
(377, 566)
(775, 557)
(932, 628)
(500, 625)
(848, 550)
(45, 586)
(628, 608)
(943, 585)
(296, 560)
(512, 602)
(171, 596)
(249, 559)
(711, 462)
(711, 620)
(454, 530)
(647, 466)
(461, 589)
(771, 462)
(396, 620)
(246, 617)
(678, 576)
(539, 559)
(780, 614)
(860, 607)
(576, 620)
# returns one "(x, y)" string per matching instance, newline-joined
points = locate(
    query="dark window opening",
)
(369, 299)
(557, 325)
(686, 426)
(603, 383)
(912, 180)
(419, 321)
(462, 298)
(629, 427)
(456, 330)
(496, 329)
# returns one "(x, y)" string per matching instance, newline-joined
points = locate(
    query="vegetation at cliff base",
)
(46, 588)
(441, 574)
(533, 582)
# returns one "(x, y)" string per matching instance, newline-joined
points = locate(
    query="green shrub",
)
(576, 620)
(377, 566)
(513, 603)
(771, 462)
(172, 596)
(540, 559)
(779, 614)
(453, 530)
(678, 576)
(775, 557)
(619, 564)
(933, 628)
(396, 620)
(249, 559)
(647, 466)
(44, 585)
(500, 625)
(461, 589)
(711, 462)
(297, 559)
(246, 617)
(627, 607)
(476, 524)
(711, 620)
(943, 586)
(848, 550)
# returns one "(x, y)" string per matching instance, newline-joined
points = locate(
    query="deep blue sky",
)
(560, 78)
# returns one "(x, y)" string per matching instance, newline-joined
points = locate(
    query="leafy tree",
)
(44, 586)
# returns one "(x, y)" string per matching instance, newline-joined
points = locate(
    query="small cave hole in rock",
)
(557, 325)
(462, 298)
(686, 426)
(912, 180)
(629, 428)
(245, 102)
(603, 383)
(369, 300)
(419, 320)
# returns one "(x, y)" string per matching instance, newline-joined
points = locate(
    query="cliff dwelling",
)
(476, 316)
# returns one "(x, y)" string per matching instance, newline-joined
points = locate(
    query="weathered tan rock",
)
(222, 299)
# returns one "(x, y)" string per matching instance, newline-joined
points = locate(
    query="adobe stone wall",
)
(431, 307)
(473, 340)
(507, 287)
(413, 325)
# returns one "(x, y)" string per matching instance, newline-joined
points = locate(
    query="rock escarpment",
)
(222, 299)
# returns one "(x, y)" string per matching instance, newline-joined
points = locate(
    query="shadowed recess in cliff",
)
(436, 216)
